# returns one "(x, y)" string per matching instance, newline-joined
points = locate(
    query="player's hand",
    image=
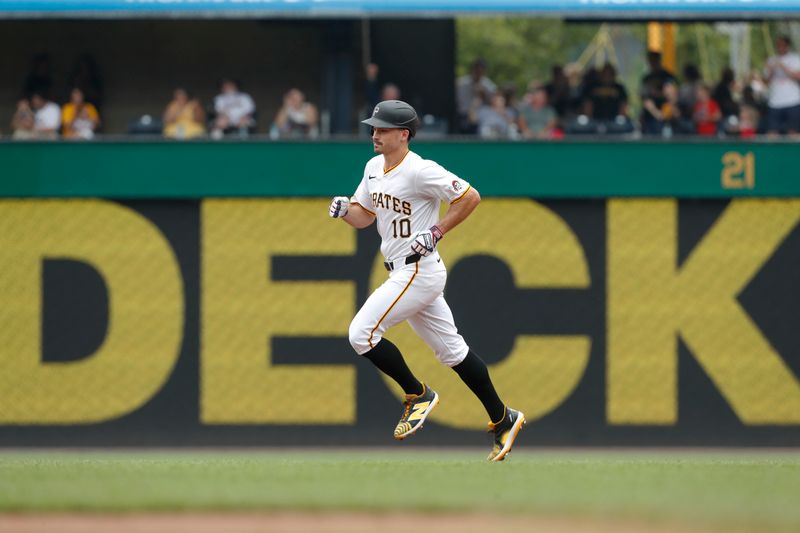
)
(424, 242)
(339, 206)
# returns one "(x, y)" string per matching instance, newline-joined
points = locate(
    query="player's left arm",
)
(425, 241)
(459, 210)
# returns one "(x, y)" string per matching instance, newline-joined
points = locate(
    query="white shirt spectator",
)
(234, 105)
(467, 87)
(48, 117)
(493, 124)
(784, 91)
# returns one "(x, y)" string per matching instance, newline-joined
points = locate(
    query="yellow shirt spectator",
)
(184, 117)
(79, 119)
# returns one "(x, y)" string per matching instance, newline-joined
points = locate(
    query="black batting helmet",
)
(394, 114)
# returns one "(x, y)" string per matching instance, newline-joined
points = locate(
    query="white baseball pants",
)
(415, 293)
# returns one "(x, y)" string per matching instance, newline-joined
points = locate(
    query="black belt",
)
(391, 265)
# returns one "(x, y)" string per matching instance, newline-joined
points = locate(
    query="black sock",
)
(389, 360)
(472, 371)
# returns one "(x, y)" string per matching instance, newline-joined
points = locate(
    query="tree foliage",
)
(520, 50)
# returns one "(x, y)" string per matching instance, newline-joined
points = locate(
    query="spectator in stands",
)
(22, 124)
(234, 110)
(783, 75)
(759, 90)
(657, 76)
(558, 90)
(375, 92)
(537, 120)
(40, 79)
(724, 92)
(606, 98)
(184, 117)
(390, 91)
(470, 88)
(679, 120)
(372, 88)
(755, 93)
(577, 81)
(652, 88)
(688, 88)
(79, 119)
(296, 119)
(652, 117)
(589, 78)
(755, 101)
(669, 115)
(86, 77)
(707, 113)
(47, 117)
(494, 120)
(748, 121)
(509, 92)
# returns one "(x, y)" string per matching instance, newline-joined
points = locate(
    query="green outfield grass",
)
(754, 491)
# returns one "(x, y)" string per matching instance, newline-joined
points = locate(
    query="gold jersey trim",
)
(462, 196)
(372, 333)
(364, 208)
(387, 170)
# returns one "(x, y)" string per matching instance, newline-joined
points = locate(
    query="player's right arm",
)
(351, 212)
(359, 217)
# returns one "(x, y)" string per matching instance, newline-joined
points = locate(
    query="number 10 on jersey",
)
(401, 226)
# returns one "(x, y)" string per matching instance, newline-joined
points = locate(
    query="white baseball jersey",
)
(405, 199)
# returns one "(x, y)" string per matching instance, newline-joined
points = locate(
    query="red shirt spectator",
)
(748, 122)
(706, 112)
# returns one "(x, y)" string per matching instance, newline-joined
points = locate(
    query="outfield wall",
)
(696, 169)
(166, 315)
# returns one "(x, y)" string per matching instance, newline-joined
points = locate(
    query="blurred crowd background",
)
(499, 78)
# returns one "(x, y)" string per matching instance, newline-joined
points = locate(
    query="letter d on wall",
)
(145, 311)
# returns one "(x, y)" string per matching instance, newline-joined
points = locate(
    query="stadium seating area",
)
(575, 102)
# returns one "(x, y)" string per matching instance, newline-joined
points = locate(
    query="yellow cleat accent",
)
(416, 409)
(505, 433)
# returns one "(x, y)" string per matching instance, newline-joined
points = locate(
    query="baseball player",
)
(403, 192)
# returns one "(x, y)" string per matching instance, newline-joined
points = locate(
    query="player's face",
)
(388, 140)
